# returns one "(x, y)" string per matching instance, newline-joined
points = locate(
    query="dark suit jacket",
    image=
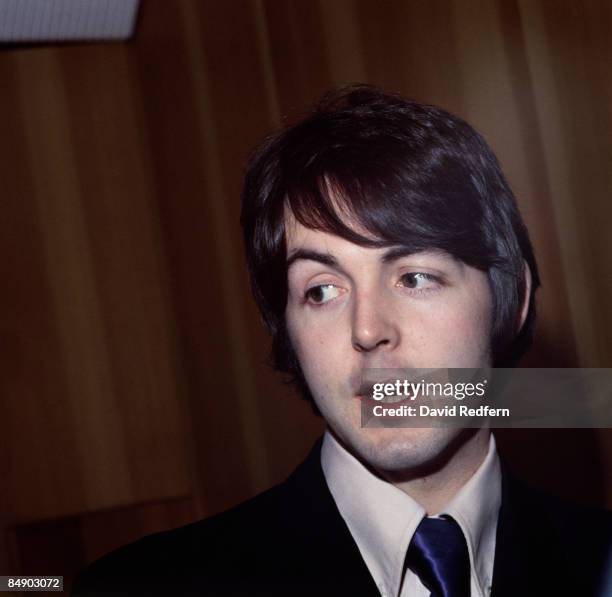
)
(291, 540)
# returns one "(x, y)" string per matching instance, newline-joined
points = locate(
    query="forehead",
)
(305, 244)
(297, 234)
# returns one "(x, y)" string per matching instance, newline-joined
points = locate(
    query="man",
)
(381, 234)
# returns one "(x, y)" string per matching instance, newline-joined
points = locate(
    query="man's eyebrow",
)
(399, 252)
(406, 251)
(310, 255)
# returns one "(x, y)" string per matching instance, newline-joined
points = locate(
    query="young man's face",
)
(351, 308)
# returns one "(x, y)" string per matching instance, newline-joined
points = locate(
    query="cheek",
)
(307, 340)
(303, 337)
(470, 328)
(457, 332)
(319, 345)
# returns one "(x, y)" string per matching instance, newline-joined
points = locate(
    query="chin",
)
(399, 450)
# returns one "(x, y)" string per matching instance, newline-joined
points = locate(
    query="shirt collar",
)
(382, 519)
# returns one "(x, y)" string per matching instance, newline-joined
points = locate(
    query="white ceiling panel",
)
(66, 20)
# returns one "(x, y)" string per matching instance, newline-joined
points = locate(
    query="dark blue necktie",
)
(438, 555)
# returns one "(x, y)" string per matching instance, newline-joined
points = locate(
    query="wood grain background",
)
(135, 394)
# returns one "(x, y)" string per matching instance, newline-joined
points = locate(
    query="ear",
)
(526, 295)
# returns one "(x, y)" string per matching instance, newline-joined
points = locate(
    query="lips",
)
(364, 385)
(366, 390)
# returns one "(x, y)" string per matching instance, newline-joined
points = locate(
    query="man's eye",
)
(417, 281)
(322, 294)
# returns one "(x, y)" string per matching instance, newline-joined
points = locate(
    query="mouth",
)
(400, 391)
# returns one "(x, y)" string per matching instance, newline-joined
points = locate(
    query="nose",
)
(373, 325)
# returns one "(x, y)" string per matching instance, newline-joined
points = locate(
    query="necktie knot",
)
(438, 554)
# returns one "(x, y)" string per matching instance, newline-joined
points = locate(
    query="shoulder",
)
(259, 543)
(571, 523)
(175, 561)
(550, 544)
(584, 534)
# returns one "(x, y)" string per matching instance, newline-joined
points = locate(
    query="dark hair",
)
(409, 174)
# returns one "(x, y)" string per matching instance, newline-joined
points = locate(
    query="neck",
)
(435, 489)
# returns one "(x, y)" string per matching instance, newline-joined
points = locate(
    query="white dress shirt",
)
(382, 519)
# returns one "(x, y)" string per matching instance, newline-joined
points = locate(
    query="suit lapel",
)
(326, 544)
(529, 559)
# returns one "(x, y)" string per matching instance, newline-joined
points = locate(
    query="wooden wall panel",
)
(108, 428)
(219, 121)
(567, 55)
(183, 185)
(82, 356)
(298, 50)
(32, 417)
